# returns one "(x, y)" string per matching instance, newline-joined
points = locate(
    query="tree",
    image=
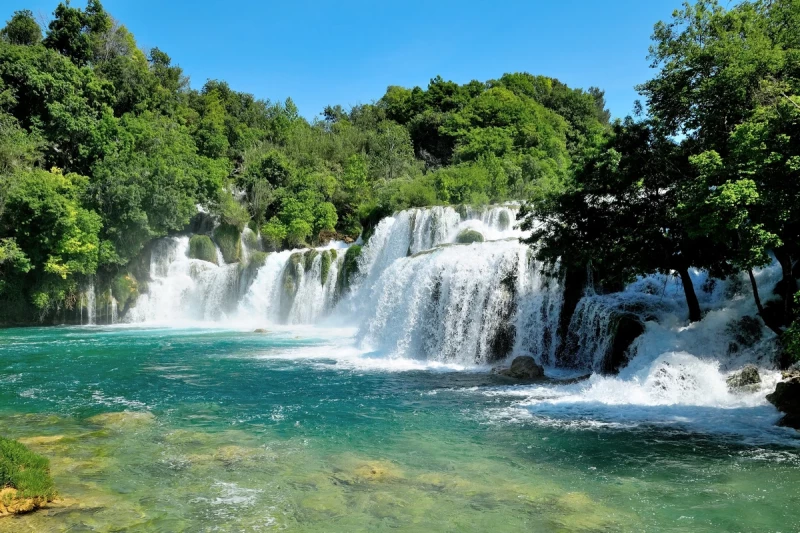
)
(622, 215)
(22, 29)
(74, 33)
(728, 81)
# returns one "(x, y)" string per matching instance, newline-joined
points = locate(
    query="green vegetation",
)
(202, 247)
(468, 236)
(228, 238)
(104, 147)
(708, 177)
(125, 290)
(25, 471)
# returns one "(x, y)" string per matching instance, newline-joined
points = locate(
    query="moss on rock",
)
(309, 258)
(125, 289)
(250, 239)
(325, 266)
(25, 481)
(468, 236)
(350, 267)
(229, 240)
(202, 247)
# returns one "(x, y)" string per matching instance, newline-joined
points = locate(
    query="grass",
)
(25, 471)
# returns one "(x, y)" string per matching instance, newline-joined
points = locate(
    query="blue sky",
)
(348, 52)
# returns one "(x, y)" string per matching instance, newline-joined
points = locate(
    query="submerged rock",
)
(787, 399)
(746, 379)
(523, 367)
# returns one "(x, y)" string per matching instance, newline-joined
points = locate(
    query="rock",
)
(201, 223)
(747, 378)
(326, 236)
(787, 396)
(468, 236)
(10, 503)
(125, 289)
(523, 367)
(628, 328)
(201, 247)
(790, 421)
(123, 419)
(260, 330)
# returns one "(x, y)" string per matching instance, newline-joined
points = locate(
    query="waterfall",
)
(468, 304)
(182, 289)
(88, 302)
(418, 293)
(114, 311)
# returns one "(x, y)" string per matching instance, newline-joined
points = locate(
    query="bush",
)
(228, 238)
(202, 247)
(273, 234)
(25, 471)
(297, 233)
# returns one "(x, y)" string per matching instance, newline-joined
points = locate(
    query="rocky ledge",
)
(787, 399)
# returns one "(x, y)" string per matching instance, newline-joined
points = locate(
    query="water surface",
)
(222, 430)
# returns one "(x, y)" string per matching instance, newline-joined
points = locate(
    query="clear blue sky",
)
(348, 52)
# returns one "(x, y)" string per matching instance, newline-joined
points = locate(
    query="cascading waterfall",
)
(463, 304)
(419, 294)
(181, 288)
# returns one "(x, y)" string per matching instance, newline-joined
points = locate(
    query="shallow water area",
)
(209, 429)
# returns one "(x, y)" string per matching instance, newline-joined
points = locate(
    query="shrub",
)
(273, 234)
(25, 471)
(202, 247)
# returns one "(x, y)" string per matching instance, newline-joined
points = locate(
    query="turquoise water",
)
(220, 430)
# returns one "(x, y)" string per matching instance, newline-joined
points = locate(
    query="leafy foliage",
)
(135, 151)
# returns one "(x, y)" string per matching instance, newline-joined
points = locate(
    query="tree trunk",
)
(789, 285)
(691, 297)
(768, 321)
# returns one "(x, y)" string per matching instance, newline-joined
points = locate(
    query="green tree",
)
(22, 29)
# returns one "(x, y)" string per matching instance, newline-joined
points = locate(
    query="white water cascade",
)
(418, 294)
(423, 296)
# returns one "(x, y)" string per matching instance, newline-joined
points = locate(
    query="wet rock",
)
(628, 329)
(746, 379)
(201, 223)
(523, 367)
(787, 399)
(260, 330)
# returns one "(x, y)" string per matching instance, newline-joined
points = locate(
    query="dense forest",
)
(105, 147)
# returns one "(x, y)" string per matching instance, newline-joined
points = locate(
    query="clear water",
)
(223, 430)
